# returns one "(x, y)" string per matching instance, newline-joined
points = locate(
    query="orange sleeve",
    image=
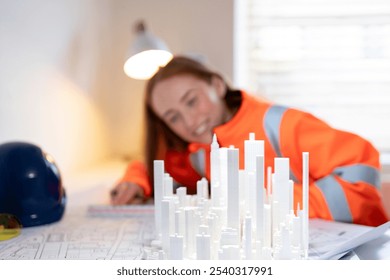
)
(344, 170)
(136, 173)
(177, 164)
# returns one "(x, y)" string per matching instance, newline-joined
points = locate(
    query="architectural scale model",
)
(241, 218)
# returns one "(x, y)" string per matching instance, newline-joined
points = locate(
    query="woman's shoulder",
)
(254, 102)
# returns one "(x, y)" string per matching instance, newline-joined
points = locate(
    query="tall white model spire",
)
(305, 200)
(214, 172)
(241, 219)
(233, 214)
(158, 166)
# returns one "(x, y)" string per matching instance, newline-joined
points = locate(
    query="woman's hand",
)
(127, 193)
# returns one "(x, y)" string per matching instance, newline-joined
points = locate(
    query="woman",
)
(186, 104)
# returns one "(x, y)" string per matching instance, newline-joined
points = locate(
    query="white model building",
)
(240, 219)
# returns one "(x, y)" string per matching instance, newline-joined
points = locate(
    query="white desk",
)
(80, 236)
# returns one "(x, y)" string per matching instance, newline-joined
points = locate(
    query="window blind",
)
(327, 57)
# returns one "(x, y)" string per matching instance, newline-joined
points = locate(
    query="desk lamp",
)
(146, 54)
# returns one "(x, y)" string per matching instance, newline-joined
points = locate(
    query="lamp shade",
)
(146, 54)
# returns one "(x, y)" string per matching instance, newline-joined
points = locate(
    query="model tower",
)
(241, 218)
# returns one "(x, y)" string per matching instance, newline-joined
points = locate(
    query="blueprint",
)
(126, 232)
(83, 234)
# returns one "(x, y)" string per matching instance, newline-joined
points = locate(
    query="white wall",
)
(61, 80)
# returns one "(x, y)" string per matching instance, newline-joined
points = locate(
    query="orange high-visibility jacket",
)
(343, 170)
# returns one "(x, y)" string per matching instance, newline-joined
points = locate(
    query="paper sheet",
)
(80, 235)
(355, 241)
(126, 232)
(325, 236)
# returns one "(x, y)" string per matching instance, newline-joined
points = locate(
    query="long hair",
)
(159, 137)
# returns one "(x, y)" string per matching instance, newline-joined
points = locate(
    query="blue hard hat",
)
(30, 184)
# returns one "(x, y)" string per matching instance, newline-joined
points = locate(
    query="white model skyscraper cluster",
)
(242, 219)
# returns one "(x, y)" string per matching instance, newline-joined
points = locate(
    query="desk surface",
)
(128, 234)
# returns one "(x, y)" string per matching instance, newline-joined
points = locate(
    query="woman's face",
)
(191, 107)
